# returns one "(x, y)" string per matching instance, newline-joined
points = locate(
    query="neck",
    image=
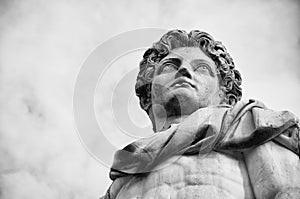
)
(163, 123)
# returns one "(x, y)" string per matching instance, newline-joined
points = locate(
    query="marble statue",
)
(207, 142)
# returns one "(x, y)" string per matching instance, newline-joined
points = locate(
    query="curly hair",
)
(230, 78)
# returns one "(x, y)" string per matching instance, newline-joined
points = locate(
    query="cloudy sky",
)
(43, 45)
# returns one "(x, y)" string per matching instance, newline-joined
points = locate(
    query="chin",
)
(183, 103)
(183, 96)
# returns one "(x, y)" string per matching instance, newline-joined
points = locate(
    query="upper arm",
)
(272, 168)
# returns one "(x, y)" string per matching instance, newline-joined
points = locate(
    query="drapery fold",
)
(221, 128)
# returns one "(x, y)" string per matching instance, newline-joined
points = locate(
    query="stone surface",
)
(272, 169)
(290, 193)
(216, 176)
(246, 162)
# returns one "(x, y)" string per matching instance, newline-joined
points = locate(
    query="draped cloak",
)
(220, 128)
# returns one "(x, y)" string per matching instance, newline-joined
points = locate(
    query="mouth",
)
(182, 83)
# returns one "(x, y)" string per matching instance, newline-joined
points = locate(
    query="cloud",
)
(44, 43)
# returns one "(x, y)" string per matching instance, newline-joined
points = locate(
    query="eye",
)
(201, 67)
(168, 67)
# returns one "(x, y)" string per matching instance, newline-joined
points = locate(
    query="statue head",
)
(229, 78)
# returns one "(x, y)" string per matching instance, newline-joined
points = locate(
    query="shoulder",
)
(272, 169)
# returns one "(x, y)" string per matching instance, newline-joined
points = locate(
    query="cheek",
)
(159, 86)
(213, 86)
(157, 89)
(160, 82)
(208, 87)
(213, 83)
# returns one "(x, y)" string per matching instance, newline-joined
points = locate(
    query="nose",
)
(183, 71)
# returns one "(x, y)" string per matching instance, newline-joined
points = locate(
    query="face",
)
(185, 81)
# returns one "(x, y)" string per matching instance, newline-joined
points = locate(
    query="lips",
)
(182, 82)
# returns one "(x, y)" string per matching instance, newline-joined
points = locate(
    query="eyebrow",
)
(177, 61)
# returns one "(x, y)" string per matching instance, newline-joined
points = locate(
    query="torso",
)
(214, 176)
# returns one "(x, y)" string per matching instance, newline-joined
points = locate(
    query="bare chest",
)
(213, 176)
